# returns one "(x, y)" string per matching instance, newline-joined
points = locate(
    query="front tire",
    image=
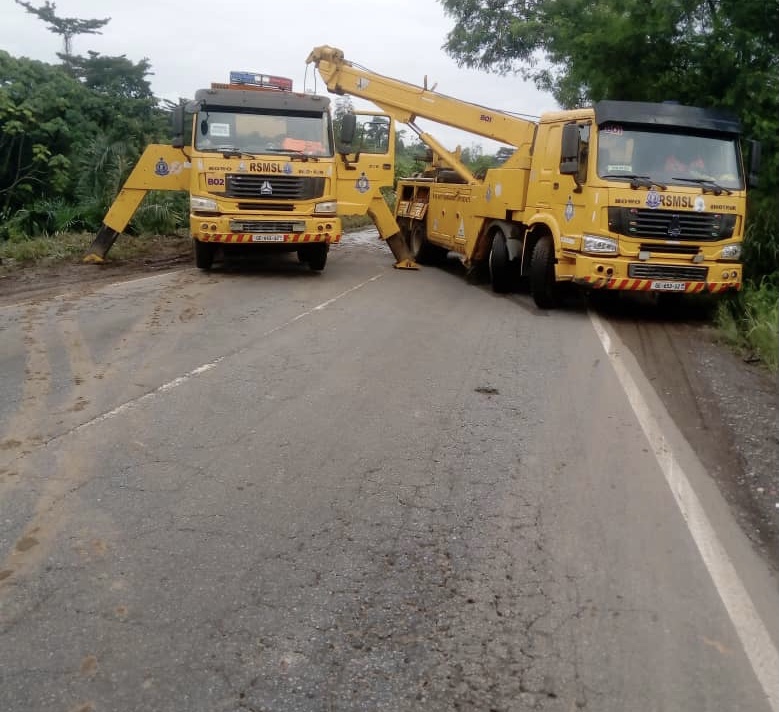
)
(500, 264)
(204, 255)
(543, 285)
(317, 256)
(422, 250)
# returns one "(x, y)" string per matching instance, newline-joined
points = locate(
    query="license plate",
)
(268, 238)
(669, 286)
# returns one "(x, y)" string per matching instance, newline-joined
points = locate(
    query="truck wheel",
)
(500, 265)
(421, 249)
(542, 274)
(317, 256)
(204, 254)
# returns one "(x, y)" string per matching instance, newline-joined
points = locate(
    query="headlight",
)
(198, 203)
(731, 252)
(599, 245)
(329, 206)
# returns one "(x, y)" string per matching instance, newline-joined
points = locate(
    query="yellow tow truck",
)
(626, 196)
(264, 172)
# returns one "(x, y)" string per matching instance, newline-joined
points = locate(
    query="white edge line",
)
(751, 630)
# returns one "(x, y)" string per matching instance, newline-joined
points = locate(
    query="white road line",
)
(757, 643)
(181, 380)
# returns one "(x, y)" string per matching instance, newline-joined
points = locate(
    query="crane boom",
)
(405, 101)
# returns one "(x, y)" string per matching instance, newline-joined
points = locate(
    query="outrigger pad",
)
(103, 242)
(400, 251)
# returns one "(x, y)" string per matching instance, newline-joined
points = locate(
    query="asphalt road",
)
(270, 489)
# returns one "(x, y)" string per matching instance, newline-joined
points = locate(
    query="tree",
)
(112, 76)
(68, 27)
(35, 137)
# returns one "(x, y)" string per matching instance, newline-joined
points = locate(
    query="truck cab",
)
(647, 197)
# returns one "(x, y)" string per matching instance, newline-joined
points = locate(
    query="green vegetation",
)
(70, 248)
(749, 321)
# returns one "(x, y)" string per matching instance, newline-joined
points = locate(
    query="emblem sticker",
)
(162, 168)
(653, 199)
(363, 185)
(700, 204)
(569, 209)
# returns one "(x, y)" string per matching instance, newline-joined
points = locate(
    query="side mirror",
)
(755, 150)
(177, 126)
(569, 151)
(348, 129)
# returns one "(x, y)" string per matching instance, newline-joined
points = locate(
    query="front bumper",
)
(265, 231)
(657, 275)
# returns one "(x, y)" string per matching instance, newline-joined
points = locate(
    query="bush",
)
(750, 321)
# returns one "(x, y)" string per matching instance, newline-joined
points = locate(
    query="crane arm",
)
(407, 101)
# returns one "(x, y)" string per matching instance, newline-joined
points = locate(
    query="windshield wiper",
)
(293, 154)
(637, 181)
(705, 183)
(233, 152)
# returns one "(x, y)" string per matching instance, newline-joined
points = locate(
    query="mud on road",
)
(725, 406)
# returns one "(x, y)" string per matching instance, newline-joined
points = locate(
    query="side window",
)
(584, 152)
(189, 120)
(372, 133)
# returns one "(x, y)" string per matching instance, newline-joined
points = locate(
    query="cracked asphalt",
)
(269, 489)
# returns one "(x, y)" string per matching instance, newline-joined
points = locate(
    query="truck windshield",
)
(669, 158)
(257, 132)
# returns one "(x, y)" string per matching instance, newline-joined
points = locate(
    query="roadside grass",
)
(71, 247)
(749, 321)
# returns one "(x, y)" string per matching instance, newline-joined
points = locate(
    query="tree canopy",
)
(68, 27)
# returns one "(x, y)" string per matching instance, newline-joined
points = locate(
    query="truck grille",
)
(669, 249)
(273, 187)
(670, 224)
(640, 270)
(263, 226)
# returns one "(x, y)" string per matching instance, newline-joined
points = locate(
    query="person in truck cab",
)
(681, 161)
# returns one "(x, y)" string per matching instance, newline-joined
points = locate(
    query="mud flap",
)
(102, 243)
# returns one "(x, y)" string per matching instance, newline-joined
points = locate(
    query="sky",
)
(191, 44)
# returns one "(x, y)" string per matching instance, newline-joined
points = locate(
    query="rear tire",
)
(500, 264)
(204, 254)
(542, 274)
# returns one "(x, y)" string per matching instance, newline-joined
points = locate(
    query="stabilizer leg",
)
(401, 252)
(103, 242)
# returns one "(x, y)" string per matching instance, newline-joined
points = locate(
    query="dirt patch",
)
(24, 282)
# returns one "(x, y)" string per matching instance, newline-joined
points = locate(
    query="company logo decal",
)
(363, 184)
(653, 199)
(569, 209)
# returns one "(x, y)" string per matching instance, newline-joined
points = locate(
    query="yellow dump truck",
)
(264, 172)
(618, 196)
